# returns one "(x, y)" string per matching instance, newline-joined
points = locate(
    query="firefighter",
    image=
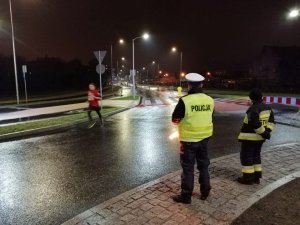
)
(257, 126)
(193, 115)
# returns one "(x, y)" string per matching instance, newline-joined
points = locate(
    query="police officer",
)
(257, 125)
(193, 115)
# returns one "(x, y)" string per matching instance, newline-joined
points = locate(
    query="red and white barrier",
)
(282, 100)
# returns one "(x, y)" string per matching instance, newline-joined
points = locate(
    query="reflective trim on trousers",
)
(257, 167)
(248, 169)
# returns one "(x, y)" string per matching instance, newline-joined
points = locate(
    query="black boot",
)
(247, 178)
(181, 199)
(204, 194)
(242, 180)
(257, 176)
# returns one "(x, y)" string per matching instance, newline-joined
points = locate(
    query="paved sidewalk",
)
(65, 108)
(152, 203)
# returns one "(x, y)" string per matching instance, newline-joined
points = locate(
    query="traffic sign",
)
(102, 69)
(132, 72)
(102, 54)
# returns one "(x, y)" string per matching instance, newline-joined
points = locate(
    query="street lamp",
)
(153, 64)
(121, 41)
(14, 51)
(123, 66)
(147, 75)
(144, 36)
(174, 49)
(294, 13)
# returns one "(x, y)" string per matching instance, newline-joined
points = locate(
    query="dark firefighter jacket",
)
(258, 123)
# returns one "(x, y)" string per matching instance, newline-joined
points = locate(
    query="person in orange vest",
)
(193, 115)
(257, 126)
(93, 99)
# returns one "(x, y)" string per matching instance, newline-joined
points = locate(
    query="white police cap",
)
(194, 77)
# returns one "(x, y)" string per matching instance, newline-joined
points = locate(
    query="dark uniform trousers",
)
(191, 151)
(250, 156)
(96, 109)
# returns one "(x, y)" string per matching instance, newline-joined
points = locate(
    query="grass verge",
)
(7, 129)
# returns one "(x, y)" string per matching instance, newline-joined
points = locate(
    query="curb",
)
(267, 190)
(253, 198)
(50, 129)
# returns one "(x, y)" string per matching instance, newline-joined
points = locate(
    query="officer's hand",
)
(266, 135)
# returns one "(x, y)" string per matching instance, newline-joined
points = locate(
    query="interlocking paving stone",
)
(152, 204)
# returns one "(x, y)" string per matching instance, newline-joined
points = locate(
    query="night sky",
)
(212, 34)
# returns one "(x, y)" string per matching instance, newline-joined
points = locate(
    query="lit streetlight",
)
(121, 41)
(174, 49)
(147, 75)
(294, 13)
(153, 64)
(145, 36)
(14, 52)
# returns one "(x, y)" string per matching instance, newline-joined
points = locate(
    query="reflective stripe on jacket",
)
(258, 119)
(197, 122)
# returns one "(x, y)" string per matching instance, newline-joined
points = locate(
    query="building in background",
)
(277, 68)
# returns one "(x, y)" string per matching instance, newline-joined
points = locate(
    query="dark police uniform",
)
(257, 125)
(193, 114)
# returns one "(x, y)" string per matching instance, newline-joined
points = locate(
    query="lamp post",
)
(111, 67)
(14, 52)
(147, 74)
(123, 60)
(154, 69)
(174, 49)
(145, 36)
(121, 41)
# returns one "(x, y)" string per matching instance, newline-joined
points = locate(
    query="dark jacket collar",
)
(195, 90)
(257, 102)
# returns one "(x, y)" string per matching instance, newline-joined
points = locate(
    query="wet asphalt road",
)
(50, 179)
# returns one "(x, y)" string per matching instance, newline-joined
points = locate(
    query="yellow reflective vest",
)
(197, 122)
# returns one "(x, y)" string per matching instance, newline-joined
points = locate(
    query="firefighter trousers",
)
(251, 160)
